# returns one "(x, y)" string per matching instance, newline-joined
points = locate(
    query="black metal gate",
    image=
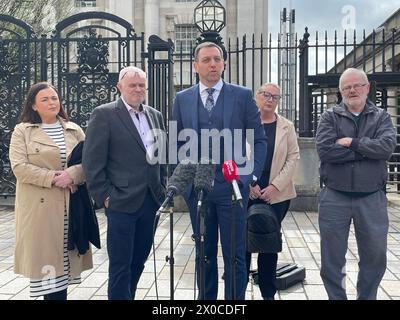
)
(16, 39)
(85, 60)
(82, 58)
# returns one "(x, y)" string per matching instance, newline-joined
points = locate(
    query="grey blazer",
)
(114, 158)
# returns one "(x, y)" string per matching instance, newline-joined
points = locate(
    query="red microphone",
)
(231, 175)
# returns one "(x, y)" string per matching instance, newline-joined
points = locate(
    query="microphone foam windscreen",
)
(182, 177)
(204, 178)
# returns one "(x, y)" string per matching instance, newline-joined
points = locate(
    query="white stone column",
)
(252, 18)
(261, 18)
(223, 33)
(245, 17)
(124, 9)
(245, 26)
(151, 18)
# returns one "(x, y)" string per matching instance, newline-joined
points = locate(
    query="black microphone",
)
(182, 176)
(203, 181)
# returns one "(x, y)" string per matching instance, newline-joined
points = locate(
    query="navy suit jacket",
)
(240, 112)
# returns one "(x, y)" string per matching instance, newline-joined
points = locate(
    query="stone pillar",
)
(151, 18)
(260, 28)
(252, 19)
(124, 9)
(260, 18)
(224, 33)
(306, 178)
(245, 10)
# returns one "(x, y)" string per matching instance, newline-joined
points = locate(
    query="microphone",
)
(203, 181)
(181, 178)
(231, 175)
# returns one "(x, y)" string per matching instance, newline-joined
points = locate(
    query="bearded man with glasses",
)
(354, 140)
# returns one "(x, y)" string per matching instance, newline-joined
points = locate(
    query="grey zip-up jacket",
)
(361, 167)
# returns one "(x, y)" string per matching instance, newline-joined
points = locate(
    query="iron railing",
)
(86, 51)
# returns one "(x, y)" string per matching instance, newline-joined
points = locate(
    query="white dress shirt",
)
(143, 127)
(204, 93)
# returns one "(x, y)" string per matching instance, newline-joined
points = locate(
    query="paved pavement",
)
(301, 245)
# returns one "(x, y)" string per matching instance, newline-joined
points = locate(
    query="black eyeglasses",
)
(356, 87)
(269, 96)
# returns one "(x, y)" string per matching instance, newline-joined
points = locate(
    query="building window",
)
(185, 37)
(85, 3)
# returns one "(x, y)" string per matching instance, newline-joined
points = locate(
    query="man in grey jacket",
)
(121, 176)
(354, 140)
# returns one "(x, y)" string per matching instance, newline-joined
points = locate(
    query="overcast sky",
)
(333, 14)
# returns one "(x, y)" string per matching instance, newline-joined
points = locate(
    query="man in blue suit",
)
(210, 107)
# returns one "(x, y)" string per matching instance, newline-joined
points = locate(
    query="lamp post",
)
(210, 18)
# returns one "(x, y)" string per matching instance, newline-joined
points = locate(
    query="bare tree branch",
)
(41, 15)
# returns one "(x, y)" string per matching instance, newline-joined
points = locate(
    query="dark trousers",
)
(218, 222)
(267, 262)
(129, 240)
(59, 295)
(371, 222)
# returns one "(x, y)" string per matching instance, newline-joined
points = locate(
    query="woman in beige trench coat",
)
(39, 150)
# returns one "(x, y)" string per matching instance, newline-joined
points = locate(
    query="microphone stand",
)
(233, 247)
(201, 212)
(170, 258)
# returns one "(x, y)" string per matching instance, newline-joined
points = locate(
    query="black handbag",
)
(263, 229)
